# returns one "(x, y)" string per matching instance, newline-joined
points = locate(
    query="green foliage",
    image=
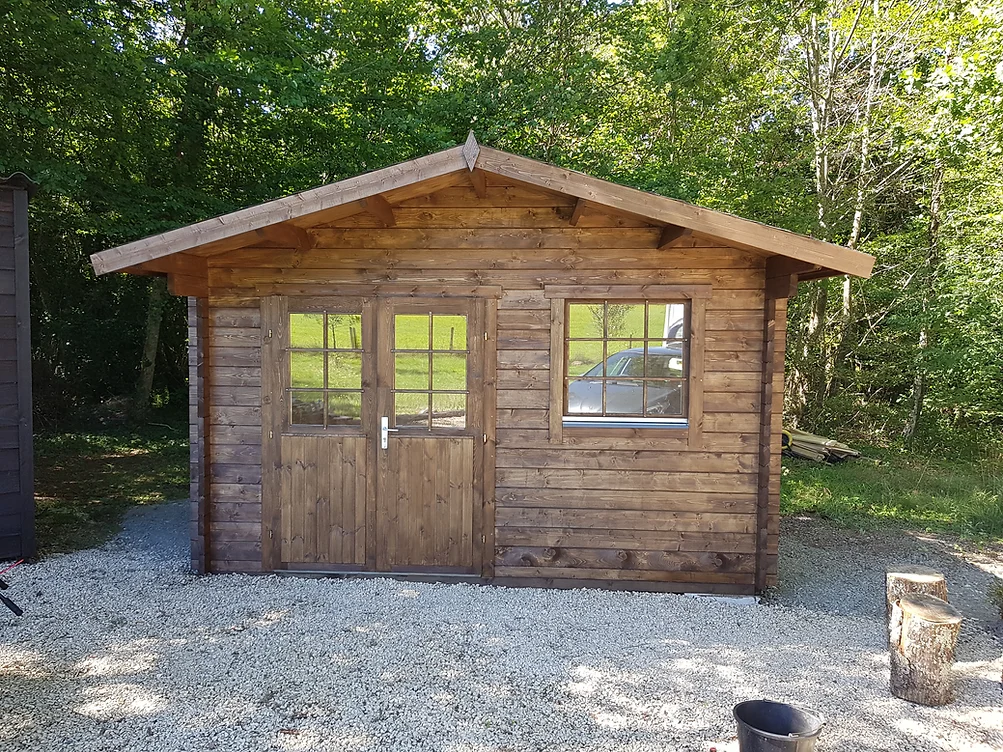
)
(878, 125)
(85, 481)
(964, 498)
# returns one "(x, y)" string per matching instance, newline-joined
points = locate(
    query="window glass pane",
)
(307, 408)
(584, 397)
(637, 369)
(585, 320)
(344, 331)
(664, 399)
(411, 409)
(449, 332)
(585, 357)
(449, 410)
(411, 371)
(344, 370)
(344, 408)
(306, 330)
(666, 362)
(626, 363)
(411, 331)
(624, 396)
(306, 369)
(625, 321)
(667, 320)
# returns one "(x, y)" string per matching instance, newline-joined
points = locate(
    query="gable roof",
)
(427, 174)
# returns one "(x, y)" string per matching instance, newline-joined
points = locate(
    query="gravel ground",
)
(121, 649)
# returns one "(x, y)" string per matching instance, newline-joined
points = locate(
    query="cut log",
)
(912, 579)
(923, 635)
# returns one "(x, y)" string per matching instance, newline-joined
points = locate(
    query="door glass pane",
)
(344, 331)
(585, 320)
(344, 370)
(411, 409)
(585, 357)
(306, 330)
(306, 369)
(307, 408)
(344, 408)
(411, 331)
(449, 371)
(411, 371)
(449, 332)
(449, 410)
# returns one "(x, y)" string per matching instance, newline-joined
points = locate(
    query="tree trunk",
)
(151, 344)
(923, 635)
(930, 266)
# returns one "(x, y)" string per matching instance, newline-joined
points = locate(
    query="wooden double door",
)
(373, 455)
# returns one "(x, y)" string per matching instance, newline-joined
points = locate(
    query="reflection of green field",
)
(628, 321)
(411, 370)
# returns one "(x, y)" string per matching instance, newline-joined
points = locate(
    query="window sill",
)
(636, 423)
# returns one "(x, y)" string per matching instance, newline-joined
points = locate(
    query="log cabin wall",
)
(641, 510)
(17, 503)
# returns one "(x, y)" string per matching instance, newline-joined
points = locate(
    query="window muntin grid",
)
(324, 363)
(626, 360)
(430, 371)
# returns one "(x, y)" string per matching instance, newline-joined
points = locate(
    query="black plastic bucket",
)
(767, 726)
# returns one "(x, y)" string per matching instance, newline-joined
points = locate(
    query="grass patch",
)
(964, 498)
(85, 482)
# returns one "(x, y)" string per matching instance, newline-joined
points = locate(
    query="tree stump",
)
(912, 579)
(924, 631)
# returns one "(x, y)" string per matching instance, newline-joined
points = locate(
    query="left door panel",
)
(316, 409)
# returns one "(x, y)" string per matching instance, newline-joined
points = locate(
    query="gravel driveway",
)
(121, 649)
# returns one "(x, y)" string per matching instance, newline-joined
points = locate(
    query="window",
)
(325, 369)
(626, 362)
(430, 371)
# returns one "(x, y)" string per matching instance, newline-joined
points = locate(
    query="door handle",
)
(385, 431)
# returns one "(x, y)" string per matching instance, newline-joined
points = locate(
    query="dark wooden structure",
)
(386, 377)
(17, 499)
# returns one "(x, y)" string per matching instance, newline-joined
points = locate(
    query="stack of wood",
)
(808, 446)
(923, 630)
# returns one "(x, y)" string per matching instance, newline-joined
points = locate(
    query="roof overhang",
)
(287, 217)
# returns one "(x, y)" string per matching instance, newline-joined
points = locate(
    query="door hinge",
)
(269, 334)
(485, 438)
(484, 539)
(271, 434)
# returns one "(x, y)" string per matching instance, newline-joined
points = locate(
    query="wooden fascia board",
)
(741, 233)
(240, 226)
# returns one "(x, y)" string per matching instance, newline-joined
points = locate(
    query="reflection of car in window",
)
(625, 391)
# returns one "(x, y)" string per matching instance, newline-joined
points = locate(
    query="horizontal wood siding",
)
(233, 422)
(638, 507)
(17, 506)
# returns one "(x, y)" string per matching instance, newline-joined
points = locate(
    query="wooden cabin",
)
(17, 496)
(477, 366)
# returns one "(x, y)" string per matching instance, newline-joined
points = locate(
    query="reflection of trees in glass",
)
(616, 318)
(342, 325)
